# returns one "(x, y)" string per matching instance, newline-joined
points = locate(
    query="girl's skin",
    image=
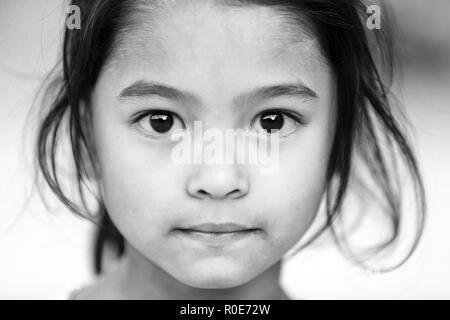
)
(215, 53)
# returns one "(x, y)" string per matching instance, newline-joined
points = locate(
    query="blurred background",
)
(45, 254)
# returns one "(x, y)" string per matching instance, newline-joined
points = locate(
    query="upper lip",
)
(218, 227)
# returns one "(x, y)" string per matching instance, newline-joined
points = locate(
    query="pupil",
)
(161, 122)
(272, 121)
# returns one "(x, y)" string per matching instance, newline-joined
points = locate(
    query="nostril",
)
(217, 183)
(236, 193)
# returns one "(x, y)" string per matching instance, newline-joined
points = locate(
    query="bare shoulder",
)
(103, 288)
(86, 293)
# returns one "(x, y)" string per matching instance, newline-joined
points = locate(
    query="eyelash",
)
(142, 114)
(294, 116)
(134, 121)
(291, 114)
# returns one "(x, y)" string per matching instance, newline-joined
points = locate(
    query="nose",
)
(218, 182)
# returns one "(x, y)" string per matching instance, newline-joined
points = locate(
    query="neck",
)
(139, 278)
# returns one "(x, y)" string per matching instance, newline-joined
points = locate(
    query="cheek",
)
(137, 179)
(292, 202)
(294, 193)
(140, 199)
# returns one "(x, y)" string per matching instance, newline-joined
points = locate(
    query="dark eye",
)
(272, 121)
(158, 122)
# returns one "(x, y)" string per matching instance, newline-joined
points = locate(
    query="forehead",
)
(168, 33)
(211, 46)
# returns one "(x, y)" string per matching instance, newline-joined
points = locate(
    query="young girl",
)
(136, 71)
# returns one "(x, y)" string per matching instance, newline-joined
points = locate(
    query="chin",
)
(216, 277)
(218, 282)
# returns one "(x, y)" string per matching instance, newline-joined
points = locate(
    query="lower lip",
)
(217, 238)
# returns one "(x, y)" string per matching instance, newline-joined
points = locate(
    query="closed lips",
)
(217, 228)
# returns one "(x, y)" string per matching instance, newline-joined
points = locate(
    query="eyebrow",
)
(145, 89)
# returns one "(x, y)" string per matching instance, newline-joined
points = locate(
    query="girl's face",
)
(223, 66)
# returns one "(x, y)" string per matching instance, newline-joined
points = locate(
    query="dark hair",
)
(369, 141)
